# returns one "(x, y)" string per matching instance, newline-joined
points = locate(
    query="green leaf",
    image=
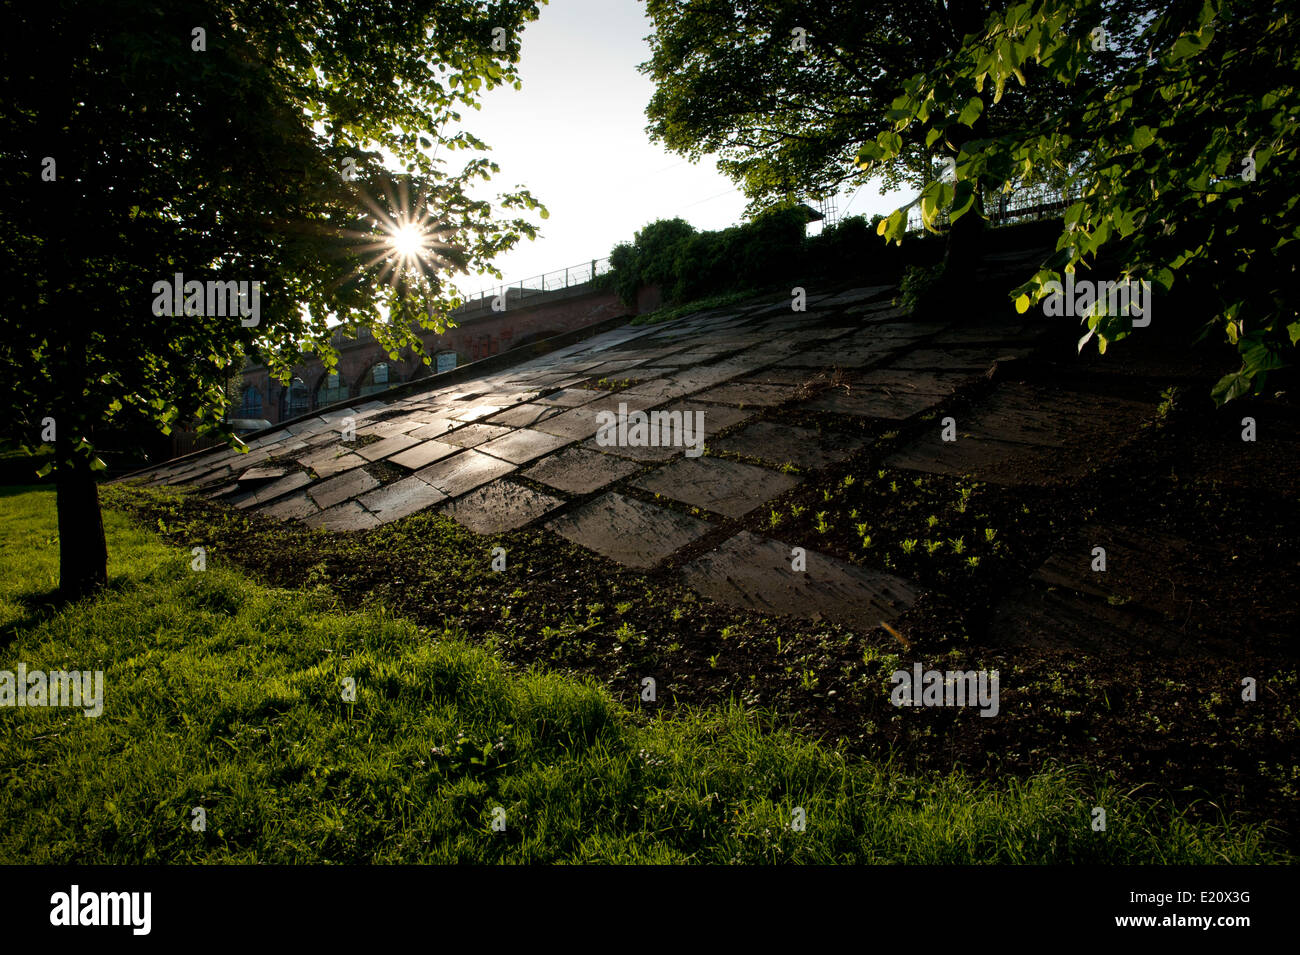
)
(963, 199)
(1232, 386)
(971, 112)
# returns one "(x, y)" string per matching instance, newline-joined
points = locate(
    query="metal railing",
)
(1034, 202)
(514, 293)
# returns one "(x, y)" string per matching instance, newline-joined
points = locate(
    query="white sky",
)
(574, 135)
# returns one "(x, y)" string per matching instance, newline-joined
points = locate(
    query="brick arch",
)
(314, 394)
(283, 409)
(262, 402)
(394, 374)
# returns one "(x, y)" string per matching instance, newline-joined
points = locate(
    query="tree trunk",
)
(83, 552)
(964, 246)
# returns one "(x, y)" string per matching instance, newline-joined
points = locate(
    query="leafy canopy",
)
(1185, 157)
(785, 93)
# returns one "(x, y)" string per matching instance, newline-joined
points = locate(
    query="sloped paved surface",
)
(1029, 435)
(517, 447)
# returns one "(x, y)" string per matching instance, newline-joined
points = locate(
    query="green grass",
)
(226, 695)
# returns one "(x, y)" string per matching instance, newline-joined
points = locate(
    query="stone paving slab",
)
(866, 403)
(1029, 414)
(991, 333)
(382, 449)
(401, 499)
(463, 472)
(997, 462)
(524, 445)
(912, 382)
(524, 415)
(841, 354)
(580, 423)
(473, 435)
(390, 428)
(569, 397)
(1058, 439)
(779, 444)
(348, 516)
(958, 359)
(581, 470)
(500, 506)
(424, 454)
(631, 532)
(474, 412)
(755, 573)
(434, 429)
(659, 390)
(648, 454)
(745, 395)
(270, 492)
(295, 507)
(717, 418)
(725, 487)
(326, 466)
(347, 485)
(854, 296)
(262, 473)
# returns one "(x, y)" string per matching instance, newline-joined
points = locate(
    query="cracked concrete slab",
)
(779, 444)
(382, 449)
(348, 516)
(463, 472)
(581, 470)
(347, 485)
(500, 506)
(755, 573)
(524, 445)
(725, 487)
(401, 499)
(473, 435)
(424, 454)
(631, 532)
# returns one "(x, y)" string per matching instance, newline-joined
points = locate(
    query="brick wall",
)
(476, 336)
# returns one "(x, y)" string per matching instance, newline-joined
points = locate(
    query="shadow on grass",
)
(41, 605)
(13, 490)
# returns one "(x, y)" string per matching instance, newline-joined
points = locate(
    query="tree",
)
(786, 93)
(1185, 157)
(239, 146)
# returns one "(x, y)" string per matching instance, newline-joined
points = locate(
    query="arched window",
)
(251, 406)
(331, 389)
(294, 400)
(378, 378)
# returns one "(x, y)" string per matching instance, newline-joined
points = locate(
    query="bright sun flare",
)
(408, 241)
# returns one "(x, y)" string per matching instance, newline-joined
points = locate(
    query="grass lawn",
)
(227, 695)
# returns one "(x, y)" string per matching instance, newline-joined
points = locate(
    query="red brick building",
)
(364, 368)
